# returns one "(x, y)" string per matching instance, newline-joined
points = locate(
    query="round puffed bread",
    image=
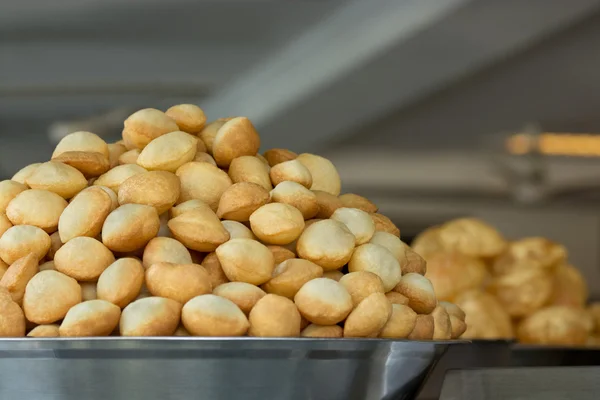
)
(357, 221)
(209, 132)
(12, 319)
(202, 181)
(85, 214)
(290, 276)
(168, 152)
(215, 272)
(293, 171)
(21, 240)
(327, 243)
(243, 294)
(189, 205)
(238, 230)
(322, 331)
(116, 176)
(245, 260)
(49, 295)
(324, 174)
(401, 323)
(130, 227)
(274, 316)
(24, 173)
(298, 196)
(17, 276)
(384, 224)
(523, 291)
(199, 230)
(180, 282)
(57, 177)
(8, 191)
(210, 315)
(90, 318)
(189, 117)
(81, 141)
(280, 254)
(235, 138)
(419, 291)
(121, 282)
(410, 260)
(90, 164)
(369, 317)
(424, 328)
(40, 208)
(334, 275)
(83, 258)
(204, 157)
(327, 204)
(472, 237)
(145, 125)
(352, 200)
(277, 223)
(41, 331)
(240, 200)
(159, 189)
(150, 316)
(115, 150)
(323, 301)
(129, 157)
(378, 260)
(276, 156)
(362, 284)
(164, 249)
(397, 298)
(442, 328)
(250, 169)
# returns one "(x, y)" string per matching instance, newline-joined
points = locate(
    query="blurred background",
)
(433, 109)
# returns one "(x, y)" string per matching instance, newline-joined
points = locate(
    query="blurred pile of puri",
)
(524, 289)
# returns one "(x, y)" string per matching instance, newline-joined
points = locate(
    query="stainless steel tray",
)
(206, 368)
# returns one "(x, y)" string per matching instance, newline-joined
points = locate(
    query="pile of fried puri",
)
(523, 289)
(182, 228)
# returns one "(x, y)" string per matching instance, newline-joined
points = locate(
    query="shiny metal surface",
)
(205, 368)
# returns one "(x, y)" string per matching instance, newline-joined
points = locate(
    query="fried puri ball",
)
(569, 287)
(327, 204)
(352, 200)
(189, 117)
(90, 318)
(472, 237)
(238, 230)
(530, 253)
(324, 301)
(322, 331)
(130, 227)
(9, 190)
(150, 316)
(274, 316)
(21, 240)
(159, 189)
(298, 196)
(277, 156)
(408, 259)
(327, 243)
(369, 317)
(555, 325)
(250, 169)
(18, 275)
(240, 200)
(293, 171)
(211, 315)
(168, 152)
(442, 327)
(215, 272)
(180, 282)
(12, 319)
(378, 260)
(164, 249)
(145, 125)
(357, 221)
(289, 276)
(324, 174)
(49, 295)
(485, 316)
(209, 132)
(397, 298)
(522, 292)
(116, 176)
(85, 214)
(419, 291)
(242, 294)
(335, 275)
(277, 223)
(83, 258)
(237, 137)
(246, 260)
(40, 331)
(384, 224)
(280, 254)
(401, 323)
(40, 208)
(202, 181)
(24, 173)
(57, 177)
(115, 150)
(121, 282)
(453, 273)
(361, 284)
(424, 328)
(457, 318)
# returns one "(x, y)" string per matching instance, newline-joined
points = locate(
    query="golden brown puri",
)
(277, 156)
(130, 227)
(322, 331)
(189, 117)
(116, 176)
(530, 253)
(419, 291)
(81, 141)
(210, 315)
(569, 287)
(522, 292)
(361, 284)
(336, 275)
(243, 294)
(40, 331)
(209, 132)
(325, 176)
(57, 177)
(24, 173)
(145, 125)
(401, 323)
(83, 258)
(90, 164)
(159, 189)
(189, 205)
(129, 157)
(327, 243)
(8, 191)
(424, 328)
(274, 316)
(323, 301)
(168, 152)
(238, 230)
(121, 282)
(164, 249)
(250, 169)
(21, 240)
(12, 319)
(397, 298)
(352, 200)
(442, 327)
(555, 325)
(213, 267)
(384, 224)
(85, 214)
(378, 260)
(18, 275)
(246, 260)
(90, 318)
(471, 236)
(180, 282)
(292, 171)
(235, 138)
(327, 204)
(115, 150)
(40, 208)
(202, 181)
(453, 273)
(409, 260)
(202, 156)
(277, 223)
(199, 230)
(280, 254)
(289, 276)
(357, 221)
(150, 316)
(298, 196)
(49, 295)
(369, 317)
(240, 200)
(485, 316)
